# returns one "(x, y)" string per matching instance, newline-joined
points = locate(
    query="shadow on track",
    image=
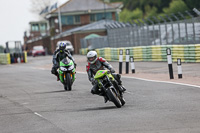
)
(99, 108)
(52, 92)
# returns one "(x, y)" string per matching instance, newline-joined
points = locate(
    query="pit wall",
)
(187, 53)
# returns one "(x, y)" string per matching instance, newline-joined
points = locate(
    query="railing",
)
(175, 29)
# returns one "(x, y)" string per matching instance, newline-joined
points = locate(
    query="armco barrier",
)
(187, 53)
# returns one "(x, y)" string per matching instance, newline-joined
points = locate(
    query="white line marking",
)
(128, 92)
(38, 114)
(39, 68)
(154, 80)
(81, 72)
(162, 81)
(140, 79)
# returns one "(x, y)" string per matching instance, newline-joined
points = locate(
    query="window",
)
(100, 16)
(35, 27)
(64, 20)
(92, 17)
(52, 23)
(108, 15)
(77, 19)
(70, 20)
(43, 27)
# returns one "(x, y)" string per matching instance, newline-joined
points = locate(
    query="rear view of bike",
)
(67, 73)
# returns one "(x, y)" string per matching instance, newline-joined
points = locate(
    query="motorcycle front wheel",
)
(67, 82)
(122, 100)
(113, 97)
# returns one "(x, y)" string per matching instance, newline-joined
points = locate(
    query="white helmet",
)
(92, 57)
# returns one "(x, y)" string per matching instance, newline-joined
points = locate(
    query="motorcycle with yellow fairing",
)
(109, 87)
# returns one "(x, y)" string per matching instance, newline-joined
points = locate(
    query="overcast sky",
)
(15, 17)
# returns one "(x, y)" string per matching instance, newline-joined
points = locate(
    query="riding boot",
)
(105, 99)
(122, 88)
(57, 77)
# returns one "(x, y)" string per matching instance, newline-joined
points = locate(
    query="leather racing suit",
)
(100, 64)
(57, 57)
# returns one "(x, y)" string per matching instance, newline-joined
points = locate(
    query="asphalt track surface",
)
(32, 101)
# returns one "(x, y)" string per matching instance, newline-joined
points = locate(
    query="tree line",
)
(143, 9)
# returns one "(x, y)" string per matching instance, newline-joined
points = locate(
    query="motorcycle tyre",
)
(113, 98)
(68, 82)
(122, 101)
(121, 97)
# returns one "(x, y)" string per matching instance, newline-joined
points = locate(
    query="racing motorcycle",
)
(67, 73)
(109, 87)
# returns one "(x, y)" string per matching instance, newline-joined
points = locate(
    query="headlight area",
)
(67, 68)
(70, 67)
(63, 68)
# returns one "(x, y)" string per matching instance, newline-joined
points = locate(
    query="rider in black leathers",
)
(98, 63)
(60, 53)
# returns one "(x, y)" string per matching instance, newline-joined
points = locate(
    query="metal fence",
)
(94, 43)
(178, 32)
(173, 29)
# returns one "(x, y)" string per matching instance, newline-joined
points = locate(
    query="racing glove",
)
(112, 70)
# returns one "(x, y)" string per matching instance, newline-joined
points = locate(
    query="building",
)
(76, 34)
(73, 13)
(39, 35)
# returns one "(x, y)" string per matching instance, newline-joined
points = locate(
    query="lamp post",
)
(104, 2)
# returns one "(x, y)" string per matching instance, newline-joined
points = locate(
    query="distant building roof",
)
(37, 22)
(99, 25)
(87, 6)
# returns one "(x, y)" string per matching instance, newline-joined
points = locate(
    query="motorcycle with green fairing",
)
(109, 87)
(67, 73)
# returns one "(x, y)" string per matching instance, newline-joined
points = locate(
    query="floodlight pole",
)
(59, 17)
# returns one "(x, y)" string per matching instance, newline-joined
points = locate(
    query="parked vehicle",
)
(109, 87)
(68, 47)
(67, 73)
(38, 50)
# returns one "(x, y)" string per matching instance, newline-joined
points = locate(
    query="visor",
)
(91, 58)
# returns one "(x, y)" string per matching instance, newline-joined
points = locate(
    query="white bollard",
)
(179, 68)
(169, 59)
(132, 64)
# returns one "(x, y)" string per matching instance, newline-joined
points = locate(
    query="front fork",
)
(62, 76)
(110, 78)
